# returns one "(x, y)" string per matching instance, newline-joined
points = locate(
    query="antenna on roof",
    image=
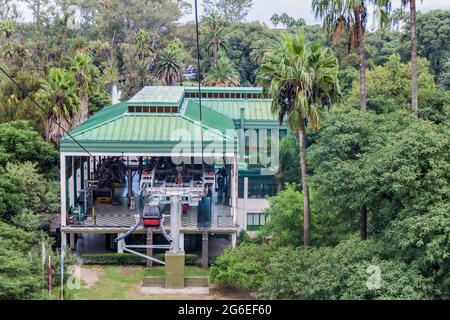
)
(199, 76)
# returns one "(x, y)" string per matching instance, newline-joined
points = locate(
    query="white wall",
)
(249, 205)
(246, 205)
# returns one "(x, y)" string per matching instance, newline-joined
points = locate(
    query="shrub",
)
(190, 259)
(125, 259)
(242, 267)
(112, 258)
(347, 271)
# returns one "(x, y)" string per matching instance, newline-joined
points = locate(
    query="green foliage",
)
(222, 74)
(286, 217)
(190, 259)
(20, 143)
(20, 266)
(433, 32)
(289, 170)
(393, 81)
(111, 259)
(39, 197)
(300, 78)
(125, 259)
(435, 106)
(240, 41)
(242, 267)
(343, 272)
(168, 67)
(229, 10)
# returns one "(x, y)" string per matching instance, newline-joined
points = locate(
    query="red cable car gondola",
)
(151, 216)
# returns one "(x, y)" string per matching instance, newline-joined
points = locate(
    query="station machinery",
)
(163, 183)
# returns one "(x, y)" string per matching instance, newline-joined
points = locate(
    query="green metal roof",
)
(210, 118)
(226, 89)
(140, 133)
(115, 129)
(107, 114)
(158, 94)
(255, 109)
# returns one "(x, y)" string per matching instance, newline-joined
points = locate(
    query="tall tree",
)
(215, 38)
(58, 95)
(414, 94)
(222, 74)
(229, 10)
(86, 78)
(168, 67)
(275, 19)
(350, 17)
(301, 80)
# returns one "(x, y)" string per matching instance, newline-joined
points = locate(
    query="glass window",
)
(255, 220)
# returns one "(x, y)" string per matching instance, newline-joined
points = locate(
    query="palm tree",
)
(6, 29)
(259, 49)
(301, 80)
(215, 38)
(168, 67)
(58, 95)
(275, 19)
(350, 16)
(222, 74)
(414, 96)
(86, 78)
(398, 16)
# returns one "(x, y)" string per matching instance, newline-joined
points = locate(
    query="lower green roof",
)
(134, 133)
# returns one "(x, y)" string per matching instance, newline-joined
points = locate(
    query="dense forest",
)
(364, 178)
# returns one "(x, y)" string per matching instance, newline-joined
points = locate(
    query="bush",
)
(126, 259)
(242, 267)
(190, 259)
(352, 270)
(123, 259)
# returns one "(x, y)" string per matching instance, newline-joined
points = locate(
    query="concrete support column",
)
(175, 223)
(149, 262)
(72, 241)
(233, 240)
(120, 245)
(205, 249)
(182, 242)
(234, 191)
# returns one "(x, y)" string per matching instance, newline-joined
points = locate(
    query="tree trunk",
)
(84, 104)
(53, 132)
(363, 222)
(362, 99)
(304, 173)
(362, 63)
(414, 102)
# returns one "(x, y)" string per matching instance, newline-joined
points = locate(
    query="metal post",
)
(205, 249)
(175, 222)
(149, 249)
(130, 184)
(72, 241)
(63, 189)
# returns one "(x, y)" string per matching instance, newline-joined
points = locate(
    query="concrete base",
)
(174, 270)
(189, 282)
(184, 291)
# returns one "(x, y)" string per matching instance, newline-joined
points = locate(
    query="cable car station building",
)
(134, 152)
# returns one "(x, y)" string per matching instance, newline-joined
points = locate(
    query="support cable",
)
(198, 78)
